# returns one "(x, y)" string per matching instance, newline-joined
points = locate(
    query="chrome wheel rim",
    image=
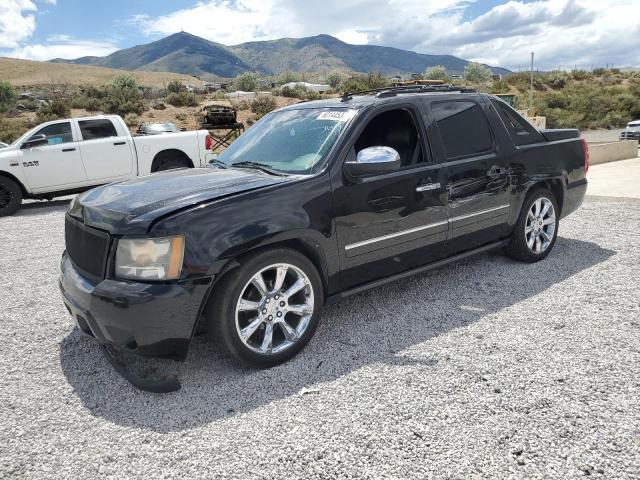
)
(274, 309)
(5, 197)
(540, 226)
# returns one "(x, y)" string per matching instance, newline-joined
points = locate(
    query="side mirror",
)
(374, 160)
(35, 141)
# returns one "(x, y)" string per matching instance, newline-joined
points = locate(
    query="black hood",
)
(130, 207)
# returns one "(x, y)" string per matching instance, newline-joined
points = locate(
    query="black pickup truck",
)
(315, 202)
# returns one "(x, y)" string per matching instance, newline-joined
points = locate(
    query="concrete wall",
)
(610, 152)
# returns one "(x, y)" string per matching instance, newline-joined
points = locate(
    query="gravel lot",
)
(485, 369)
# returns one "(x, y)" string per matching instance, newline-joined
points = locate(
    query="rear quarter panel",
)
(191, 143)
(560, 162)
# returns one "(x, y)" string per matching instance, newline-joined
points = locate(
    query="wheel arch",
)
(556, 185)
(173, 154)
(307, 245)
(23, 189)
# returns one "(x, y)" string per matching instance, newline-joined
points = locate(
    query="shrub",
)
(124, 97)
(53, 111)
(7, 96)
(476, 73)
(182, 99)
(159, 106)
(288, 77)
(437, 72)
(247, 82)
(90, 104)
(263, 105)
(499, 86)
(11, 129)
(131, 119)
(372, 80)
(176, 86)
(334, 79)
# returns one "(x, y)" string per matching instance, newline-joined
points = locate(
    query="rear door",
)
(477, 180)
(106, 152)
(391, 222)
(57, 165)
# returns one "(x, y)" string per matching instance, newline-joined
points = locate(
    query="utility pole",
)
(531, 85)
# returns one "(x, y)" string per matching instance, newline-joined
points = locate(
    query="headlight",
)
(150, 258)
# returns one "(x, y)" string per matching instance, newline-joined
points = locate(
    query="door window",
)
(94, 129)
(521, 131)
(56, 133)
(463, 128)
(395, 129)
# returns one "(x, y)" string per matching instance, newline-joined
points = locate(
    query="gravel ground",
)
(485, 369)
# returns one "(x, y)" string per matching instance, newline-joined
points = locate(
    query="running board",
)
(171, 384)
(425, 268)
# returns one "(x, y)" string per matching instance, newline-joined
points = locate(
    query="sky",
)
(564, 34)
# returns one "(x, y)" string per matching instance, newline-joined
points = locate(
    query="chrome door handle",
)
(427, 187)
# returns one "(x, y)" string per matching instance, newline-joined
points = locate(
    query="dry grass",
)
(29, 73)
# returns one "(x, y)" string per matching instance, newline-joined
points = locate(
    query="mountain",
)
(179, 53)
(189, 54)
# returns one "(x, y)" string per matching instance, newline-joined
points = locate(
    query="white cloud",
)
(17, 25)
(16, 22)
(63, 47)
(561, 32)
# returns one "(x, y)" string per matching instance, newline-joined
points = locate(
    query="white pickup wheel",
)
(10, 197)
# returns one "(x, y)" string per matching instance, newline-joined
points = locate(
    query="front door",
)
(391, 222)
(56, 165)
(477, 182)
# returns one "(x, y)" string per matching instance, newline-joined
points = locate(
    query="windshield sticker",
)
(337, 115)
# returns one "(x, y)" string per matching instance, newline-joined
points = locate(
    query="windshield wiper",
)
(218, 163)
(259, 166)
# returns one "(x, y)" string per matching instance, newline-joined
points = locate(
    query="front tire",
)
(10, 197)
(266, 310)
(536, 230)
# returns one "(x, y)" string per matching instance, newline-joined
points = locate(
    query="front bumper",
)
(150, 319)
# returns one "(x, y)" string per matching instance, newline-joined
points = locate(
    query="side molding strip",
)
(481, 212)
(394, 235)
(424, 227)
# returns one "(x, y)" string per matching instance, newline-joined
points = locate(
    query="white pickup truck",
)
(67, 156)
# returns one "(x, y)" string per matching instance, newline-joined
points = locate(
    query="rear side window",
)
(56, 133)
(92, 129)
(521, 131)
(463, 128)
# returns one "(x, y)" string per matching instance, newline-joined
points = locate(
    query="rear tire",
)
(263, 324)
(10, 197)
(536, 230)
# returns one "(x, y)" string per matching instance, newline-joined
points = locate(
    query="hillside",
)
(27, 72)
(189, 54)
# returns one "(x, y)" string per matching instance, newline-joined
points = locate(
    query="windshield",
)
(291, 141)
(633, 125)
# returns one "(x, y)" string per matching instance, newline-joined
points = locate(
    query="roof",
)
(358, 100)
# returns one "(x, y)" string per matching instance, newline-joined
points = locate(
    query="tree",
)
(476, 73)
(247, 82)
(7, 96)
(437, 72)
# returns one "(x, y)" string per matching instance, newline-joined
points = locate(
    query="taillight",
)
(585, 150)
(208, 143)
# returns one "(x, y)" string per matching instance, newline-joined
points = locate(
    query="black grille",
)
(87, 247)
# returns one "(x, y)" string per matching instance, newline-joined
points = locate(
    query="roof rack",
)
(393, 91)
